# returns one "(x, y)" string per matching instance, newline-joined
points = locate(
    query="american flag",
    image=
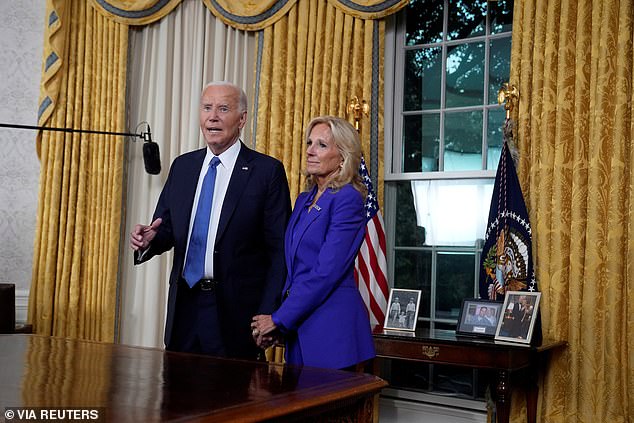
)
(370, 268)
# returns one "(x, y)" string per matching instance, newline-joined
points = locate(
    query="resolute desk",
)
(444, 347)
(132, 384)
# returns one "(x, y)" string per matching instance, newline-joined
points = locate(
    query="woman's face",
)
(322, 155)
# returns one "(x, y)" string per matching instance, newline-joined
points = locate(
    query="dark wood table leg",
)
(503, 397)
(532, 389)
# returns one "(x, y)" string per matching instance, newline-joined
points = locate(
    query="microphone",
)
(151, 156)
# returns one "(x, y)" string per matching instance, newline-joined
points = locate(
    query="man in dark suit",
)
(227, 231)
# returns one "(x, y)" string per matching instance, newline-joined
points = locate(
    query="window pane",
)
(407, 231)
(465, 75)
(463, 141)
(437, 378)
(501, 12)
(467, 18)
(454, 381)
(423, 71)
(495, 136)
(412, 144)
(499, 66)
(455, 281)
(424, 22)
(444, 212)
(421, 138)
(412, 270)
(409, 375)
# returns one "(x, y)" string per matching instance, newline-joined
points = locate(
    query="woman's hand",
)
(262, 326)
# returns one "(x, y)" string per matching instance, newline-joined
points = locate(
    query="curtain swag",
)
(241, 14)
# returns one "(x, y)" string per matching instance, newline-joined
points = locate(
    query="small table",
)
(444, 347)
(133, 384)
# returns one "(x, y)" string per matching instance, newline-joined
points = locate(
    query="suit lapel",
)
(289, 245)
(237, 184)
(303, 224)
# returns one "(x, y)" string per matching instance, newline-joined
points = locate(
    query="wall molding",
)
(21, 305)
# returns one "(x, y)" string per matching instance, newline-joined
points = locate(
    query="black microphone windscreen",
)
(151, 158)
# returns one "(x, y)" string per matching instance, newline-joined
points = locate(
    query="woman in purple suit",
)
(323, 319)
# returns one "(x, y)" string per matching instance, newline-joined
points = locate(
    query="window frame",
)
(395, 52)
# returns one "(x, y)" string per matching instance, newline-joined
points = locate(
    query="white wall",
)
(21, 40)
(403, 411)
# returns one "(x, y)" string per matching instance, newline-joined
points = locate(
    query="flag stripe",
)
(368, 284)
(376, 236)
(376, 280)
(371, 264)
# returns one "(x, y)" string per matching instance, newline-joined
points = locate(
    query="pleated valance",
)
(135, 12)
(369, 9)
(242, 14)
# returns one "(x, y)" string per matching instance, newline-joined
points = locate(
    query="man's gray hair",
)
(243, 96)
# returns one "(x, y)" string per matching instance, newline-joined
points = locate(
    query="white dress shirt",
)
(223, 175)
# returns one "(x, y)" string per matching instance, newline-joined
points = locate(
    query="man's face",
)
(220, 117)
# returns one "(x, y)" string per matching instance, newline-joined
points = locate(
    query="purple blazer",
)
(323, 316)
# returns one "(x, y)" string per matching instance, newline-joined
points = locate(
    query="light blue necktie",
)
(195, 262)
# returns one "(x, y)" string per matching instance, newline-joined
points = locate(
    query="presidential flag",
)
(507, 260)
(370, 268)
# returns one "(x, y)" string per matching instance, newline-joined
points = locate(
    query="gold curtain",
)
(75, 265)
(313, 60)
(573, 63)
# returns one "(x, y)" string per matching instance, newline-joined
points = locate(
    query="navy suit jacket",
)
(249, 247)
(324, 315)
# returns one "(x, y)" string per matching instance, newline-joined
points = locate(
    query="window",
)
(443, 143)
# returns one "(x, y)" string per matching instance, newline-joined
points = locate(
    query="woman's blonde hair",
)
(347, 141)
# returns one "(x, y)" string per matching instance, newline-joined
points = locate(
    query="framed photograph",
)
(479, 317)
(519, 314)
(402, 312)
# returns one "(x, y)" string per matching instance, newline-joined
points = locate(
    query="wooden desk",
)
(141, 384)
(444, 347)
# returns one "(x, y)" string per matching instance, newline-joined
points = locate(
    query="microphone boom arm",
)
(71, 130)
(151, 156)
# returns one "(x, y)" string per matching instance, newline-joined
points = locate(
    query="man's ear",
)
(243, 119)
